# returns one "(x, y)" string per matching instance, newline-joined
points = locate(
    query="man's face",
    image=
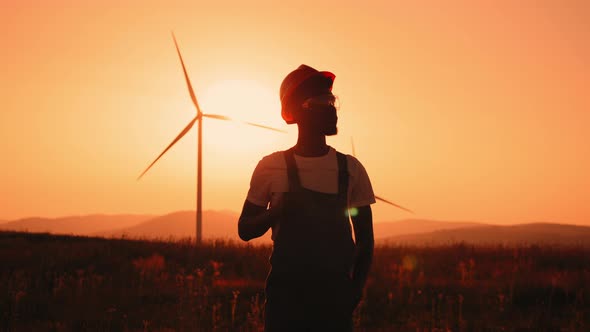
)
(327, 120)
(319, 115)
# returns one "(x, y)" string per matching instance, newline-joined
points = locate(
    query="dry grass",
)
(66, 283)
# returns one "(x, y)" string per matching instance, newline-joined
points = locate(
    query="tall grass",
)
(66, 283)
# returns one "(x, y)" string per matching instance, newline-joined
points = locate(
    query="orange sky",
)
(471, 110)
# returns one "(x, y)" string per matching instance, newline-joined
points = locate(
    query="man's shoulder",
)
(273, 160)
(351, 160)
(354, 166)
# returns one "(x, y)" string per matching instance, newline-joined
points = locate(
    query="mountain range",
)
(78, 225)
(181, 224)
(533, 233)
(223, 225)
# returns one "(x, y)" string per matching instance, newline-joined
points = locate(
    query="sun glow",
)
(243, 101)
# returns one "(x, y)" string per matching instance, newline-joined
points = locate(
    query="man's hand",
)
(254, 221)
(357, 294)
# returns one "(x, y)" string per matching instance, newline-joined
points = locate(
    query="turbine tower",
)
(199, 119)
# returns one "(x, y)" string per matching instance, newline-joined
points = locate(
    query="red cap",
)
(294, 80)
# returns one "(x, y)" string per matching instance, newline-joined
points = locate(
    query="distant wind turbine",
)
(198, 118)
(379, 198)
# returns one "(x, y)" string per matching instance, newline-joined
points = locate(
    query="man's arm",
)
(363, 233)
(255, 220)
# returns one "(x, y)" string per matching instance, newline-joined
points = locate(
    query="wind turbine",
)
(199, 119)
(379, 198)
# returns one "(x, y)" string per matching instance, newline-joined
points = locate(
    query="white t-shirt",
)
(270, 180)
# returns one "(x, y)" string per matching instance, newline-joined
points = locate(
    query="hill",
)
(534, 233)
(78, 225)
(223, 225)
(181, 224)
(385, 230)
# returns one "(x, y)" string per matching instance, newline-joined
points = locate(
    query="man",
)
(307, 196)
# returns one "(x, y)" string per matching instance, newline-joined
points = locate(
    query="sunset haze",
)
(473, 111)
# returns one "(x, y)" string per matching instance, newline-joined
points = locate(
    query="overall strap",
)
(342, 176)
(292, 174)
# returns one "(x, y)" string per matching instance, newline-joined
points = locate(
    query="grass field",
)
(67, 283)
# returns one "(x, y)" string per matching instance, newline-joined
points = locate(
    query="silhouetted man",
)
(307, 196)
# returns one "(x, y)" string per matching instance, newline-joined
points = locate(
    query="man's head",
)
(307, 99)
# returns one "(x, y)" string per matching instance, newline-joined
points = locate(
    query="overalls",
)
(309, 285)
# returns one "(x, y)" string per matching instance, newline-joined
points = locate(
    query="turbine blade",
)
(218, 117)
(188, 81)
(265, 127)
(182, 133)
(392, 203)
(227, 118)
(377, 197)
